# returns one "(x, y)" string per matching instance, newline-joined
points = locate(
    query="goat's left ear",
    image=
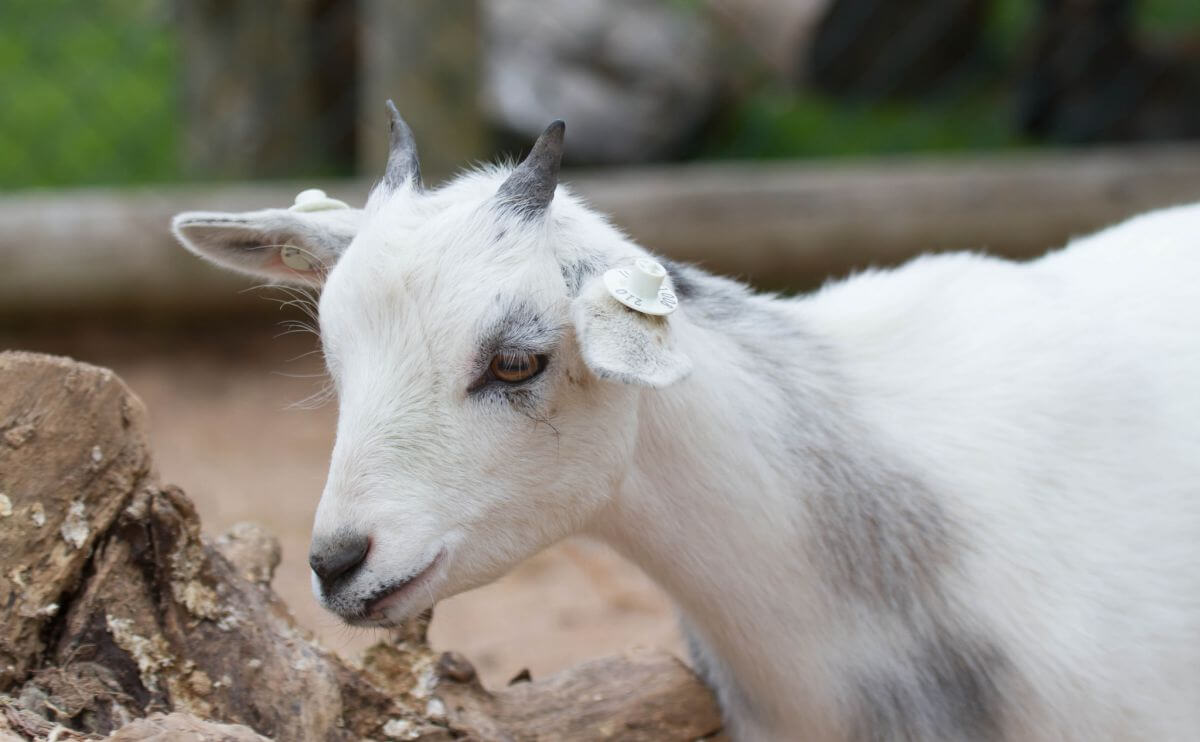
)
(622, 344)
(276, 244)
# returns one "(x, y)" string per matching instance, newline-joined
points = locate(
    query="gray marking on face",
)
(575, 273)
(519, 328)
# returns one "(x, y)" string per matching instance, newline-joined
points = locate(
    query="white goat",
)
(959, 500)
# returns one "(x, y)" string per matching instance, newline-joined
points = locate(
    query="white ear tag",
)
(640, 287)
(314, 199)
(295, 258)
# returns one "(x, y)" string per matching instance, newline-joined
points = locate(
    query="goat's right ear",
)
(276, 244)
(621, 344)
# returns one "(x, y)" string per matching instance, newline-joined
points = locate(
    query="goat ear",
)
(622, 344)
(276, 244)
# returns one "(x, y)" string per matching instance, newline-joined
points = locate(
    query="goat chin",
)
(957, 500)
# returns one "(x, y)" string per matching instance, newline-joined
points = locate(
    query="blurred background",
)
(783, 141)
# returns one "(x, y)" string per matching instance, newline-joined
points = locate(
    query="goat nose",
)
(338, 556)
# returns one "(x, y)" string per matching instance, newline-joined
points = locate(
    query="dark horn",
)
(402, 163)
(531, 186)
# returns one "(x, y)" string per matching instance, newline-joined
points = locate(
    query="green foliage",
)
(974, 112)
(88, 96)
(1169, 17)
(785, 124)
(88, 93)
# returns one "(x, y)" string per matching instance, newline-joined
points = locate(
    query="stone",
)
(633, 79)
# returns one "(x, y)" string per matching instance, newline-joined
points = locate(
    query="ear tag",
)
(314, 199)
(295, 258)
(641, 287)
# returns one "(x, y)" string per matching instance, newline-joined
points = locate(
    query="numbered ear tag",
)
(296, 259)
(641, 287)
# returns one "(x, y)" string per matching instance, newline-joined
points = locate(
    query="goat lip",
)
(374, 609)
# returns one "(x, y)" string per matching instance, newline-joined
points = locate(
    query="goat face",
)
(469, 434)
(474, 353)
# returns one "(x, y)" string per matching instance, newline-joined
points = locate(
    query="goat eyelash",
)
(487, 381)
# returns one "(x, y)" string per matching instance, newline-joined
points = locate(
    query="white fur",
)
(1049, 410)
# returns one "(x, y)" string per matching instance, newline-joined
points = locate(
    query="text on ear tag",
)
(642, 287)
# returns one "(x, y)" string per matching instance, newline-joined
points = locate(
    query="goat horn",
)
(402, 164)
(531, 186)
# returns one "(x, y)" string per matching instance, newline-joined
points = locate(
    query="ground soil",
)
(222, 424)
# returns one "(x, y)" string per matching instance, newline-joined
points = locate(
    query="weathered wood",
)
(637, 697)
(148, 617)
(426, 57)
(262, 82)
(780, 225)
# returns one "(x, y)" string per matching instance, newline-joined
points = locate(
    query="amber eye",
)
(512, 368)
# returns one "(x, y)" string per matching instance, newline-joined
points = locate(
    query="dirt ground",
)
(224, 427)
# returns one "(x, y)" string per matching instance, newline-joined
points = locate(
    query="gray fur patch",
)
(519, 327)
(576, 273)
(712, 299)
(948, 692)
(681, 277)
(879, 535)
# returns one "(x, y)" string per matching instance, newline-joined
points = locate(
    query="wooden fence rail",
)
(780, 225)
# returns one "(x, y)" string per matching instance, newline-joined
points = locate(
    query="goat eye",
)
(512, 368)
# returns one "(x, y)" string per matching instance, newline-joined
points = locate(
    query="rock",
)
(633, 79)
(453, 666)
(777, 32)
(252, 549)
(162, 620)
(172, 727)
(59, 500)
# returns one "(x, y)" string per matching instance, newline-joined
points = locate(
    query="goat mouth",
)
(375, 607)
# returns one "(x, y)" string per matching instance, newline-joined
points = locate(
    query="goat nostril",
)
(337, 557)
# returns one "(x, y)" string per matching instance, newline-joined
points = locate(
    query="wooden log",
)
(779, 225)
(148, 617)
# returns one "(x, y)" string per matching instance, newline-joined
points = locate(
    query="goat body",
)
(958, 500)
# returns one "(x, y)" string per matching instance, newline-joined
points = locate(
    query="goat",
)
(956, 500)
